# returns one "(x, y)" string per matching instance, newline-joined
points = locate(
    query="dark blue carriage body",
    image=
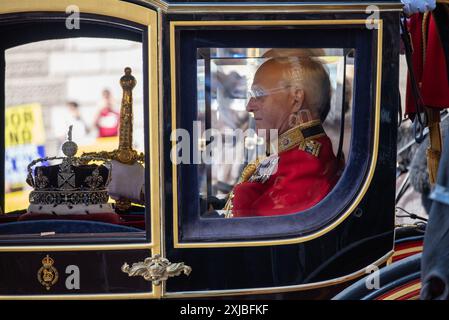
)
(309, 254)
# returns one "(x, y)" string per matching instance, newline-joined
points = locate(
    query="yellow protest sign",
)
(24, 125)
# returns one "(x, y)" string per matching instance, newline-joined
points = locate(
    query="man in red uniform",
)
(430, 39)
(291, 95)
(428, 89)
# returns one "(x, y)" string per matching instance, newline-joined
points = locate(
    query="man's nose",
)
(251, 105)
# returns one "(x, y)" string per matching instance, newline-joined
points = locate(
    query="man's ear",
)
(298, 99)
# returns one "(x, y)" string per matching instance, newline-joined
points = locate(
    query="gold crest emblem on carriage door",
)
(47, 274)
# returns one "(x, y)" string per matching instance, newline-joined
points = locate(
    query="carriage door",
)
(211, 139)
(70, 69)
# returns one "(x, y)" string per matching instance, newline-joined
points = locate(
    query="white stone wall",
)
(56, 71)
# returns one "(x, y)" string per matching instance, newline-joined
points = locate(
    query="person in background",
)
(417, 6)
(65, 118)
(80, 127)
(108, 119)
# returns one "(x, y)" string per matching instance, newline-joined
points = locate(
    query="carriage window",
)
(273, 128)
(63, 101)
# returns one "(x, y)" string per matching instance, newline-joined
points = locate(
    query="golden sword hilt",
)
(125, 153)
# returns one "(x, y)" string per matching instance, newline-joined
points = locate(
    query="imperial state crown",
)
(73, 186)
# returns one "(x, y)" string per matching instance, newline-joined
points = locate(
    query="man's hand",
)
(415, 6)
(127, 181)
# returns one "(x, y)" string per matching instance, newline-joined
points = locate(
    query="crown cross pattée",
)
(66, 175)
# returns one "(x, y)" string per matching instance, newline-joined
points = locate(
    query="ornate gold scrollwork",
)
(156, 269)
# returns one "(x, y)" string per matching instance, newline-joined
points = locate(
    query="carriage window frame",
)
(192, 231)
(101, 26)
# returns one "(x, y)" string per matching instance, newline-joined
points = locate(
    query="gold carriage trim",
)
(156, 269)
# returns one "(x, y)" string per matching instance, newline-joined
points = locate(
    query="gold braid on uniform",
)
(433, 152)
(301, 136)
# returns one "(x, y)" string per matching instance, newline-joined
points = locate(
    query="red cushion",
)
(101, 217)
(140, 224)
(9, 218)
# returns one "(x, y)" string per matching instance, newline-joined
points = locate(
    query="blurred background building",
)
(50, 85)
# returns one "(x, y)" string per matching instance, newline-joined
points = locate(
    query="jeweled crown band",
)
(69, 197)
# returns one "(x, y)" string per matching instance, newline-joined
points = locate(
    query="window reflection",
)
(275, 124)
(51, 86)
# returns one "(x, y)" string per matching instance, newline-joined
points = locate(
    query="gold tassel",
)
(434, 151)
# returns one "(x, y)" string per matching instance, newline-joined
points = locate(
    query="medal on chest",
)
(265, 169)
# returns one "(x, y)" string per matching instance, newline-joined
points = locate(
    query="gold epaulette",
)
(302, 136)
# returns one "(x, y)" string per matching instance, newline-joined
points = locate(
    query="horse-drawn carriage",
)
(194, 62)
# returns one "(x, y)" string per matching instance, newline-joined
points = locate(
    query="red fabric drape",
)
(431, 73)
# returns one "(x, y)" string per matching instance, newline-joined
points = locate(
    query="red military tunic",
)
(429, 64)
(304, 176)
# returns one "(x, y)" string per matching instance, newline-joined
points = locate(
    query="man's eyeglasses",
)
(258, 93)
